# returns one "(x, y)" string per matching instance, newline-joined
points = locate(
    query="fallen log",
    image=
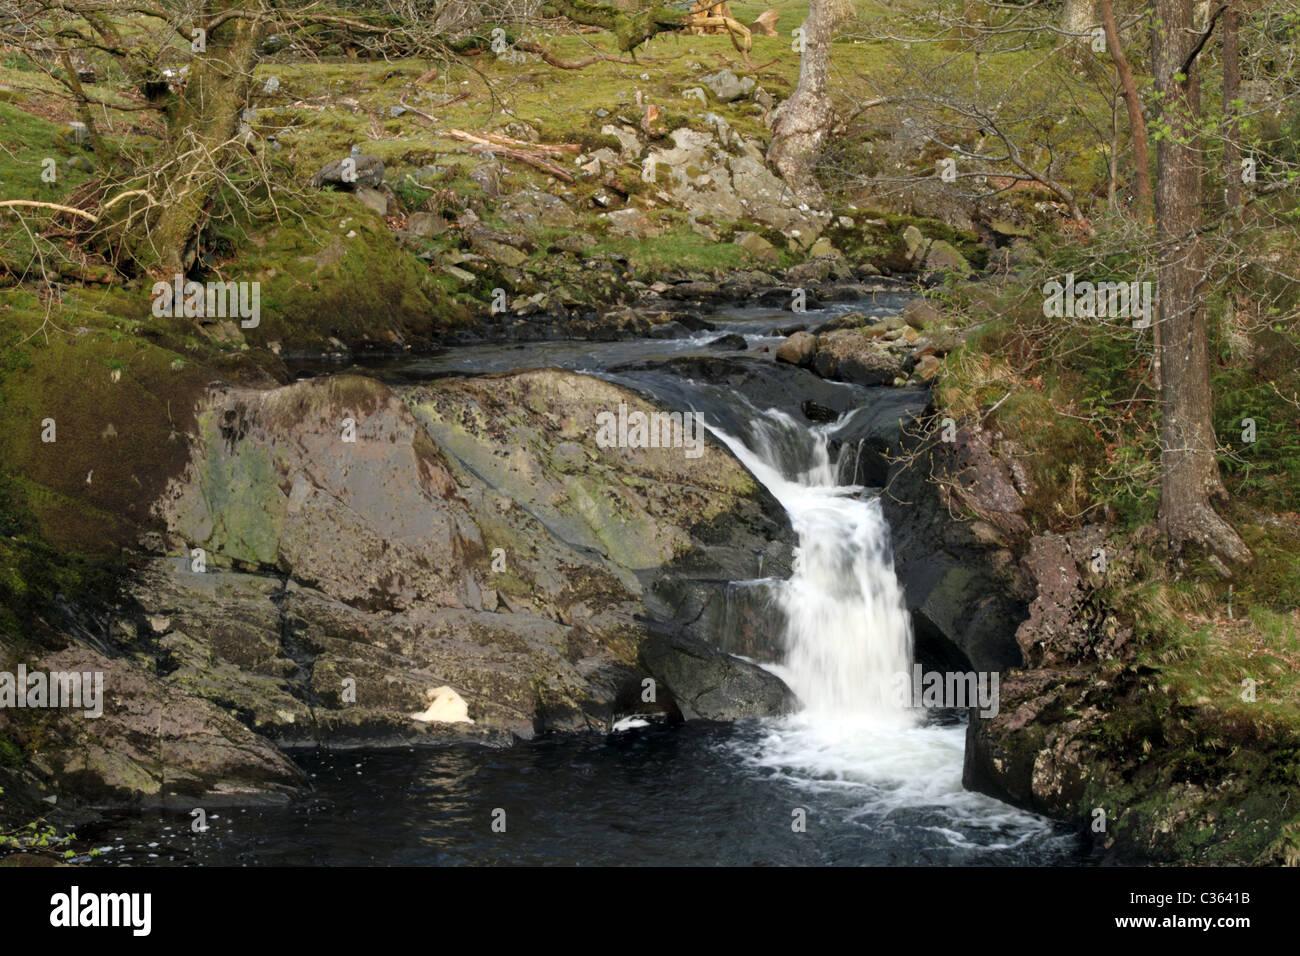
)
(509, 152)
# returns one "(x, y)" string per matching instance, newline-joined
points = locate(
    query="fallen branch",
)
(518, 155)
(555, 61)
(57, 207)
(571, 148)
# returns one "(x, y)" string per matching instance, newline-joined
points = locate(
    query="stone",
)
(426, 224)
(758, 247)
(367, 169)
(920, 314)
(707, 684)
(915, 242)
(372, 199)
(632, 223)
(534, 209)
(731, 342)
(798, 349)
(850, 355)
(944, 256)
(726, 86)
(488, 178)
(927, 368)
(629, 142)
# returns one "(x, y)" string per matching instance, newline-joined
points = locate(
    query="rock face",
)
(723, 175)
(154, 742)
(474, 535)
(345, 564)
(960, 579)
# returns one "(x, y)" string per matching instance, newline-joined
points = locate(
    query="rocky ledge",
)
(339, 560)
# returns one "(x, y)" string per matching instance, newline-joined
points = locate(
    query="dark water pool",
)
(691, 795)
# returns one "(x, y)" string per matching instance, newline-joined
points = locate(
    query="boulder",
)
(798, 349)
(726, 86)
(707, 684)
(534, 209)
(487, 176)
(758, 247)
(850, 355)
(730, 342)
(632, 223)
(364, 169)
(423, 225)
(916, 244)
(943, 256)
(920, 314)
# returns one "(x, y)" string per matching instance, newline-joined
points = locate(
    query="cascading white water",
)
(849, 634)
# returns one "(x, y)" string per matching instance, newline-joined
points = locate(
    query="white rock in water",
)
(445, 707)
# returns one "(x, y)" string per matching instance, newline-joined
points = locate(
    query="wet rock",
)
(710, 685)
(816, 412)
(154, 743)
(850, 355)
(849, 320)
(729, 342)
(798, 349)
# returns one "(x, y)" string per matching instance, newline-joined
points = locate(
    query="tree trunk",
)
(1231, 86)
(1189, 468)
(804, 120)
(1078, 17)
(1137, 125)
(183, 179)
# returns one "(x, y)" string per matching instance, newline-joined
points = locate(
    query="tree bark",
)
(1190, 478)
(630, 29)
(1231, 87)
(1133, 103)
(1078, 17)
(804, 120)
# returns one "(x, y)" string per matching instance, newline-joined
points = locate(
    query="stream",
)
(852, 779)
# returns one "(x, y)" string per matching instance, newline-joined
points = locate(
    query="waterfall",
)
(848, 634)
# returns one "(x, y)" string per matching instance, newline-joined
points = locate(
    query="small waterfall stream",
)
(880, 783)
(848, 634)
